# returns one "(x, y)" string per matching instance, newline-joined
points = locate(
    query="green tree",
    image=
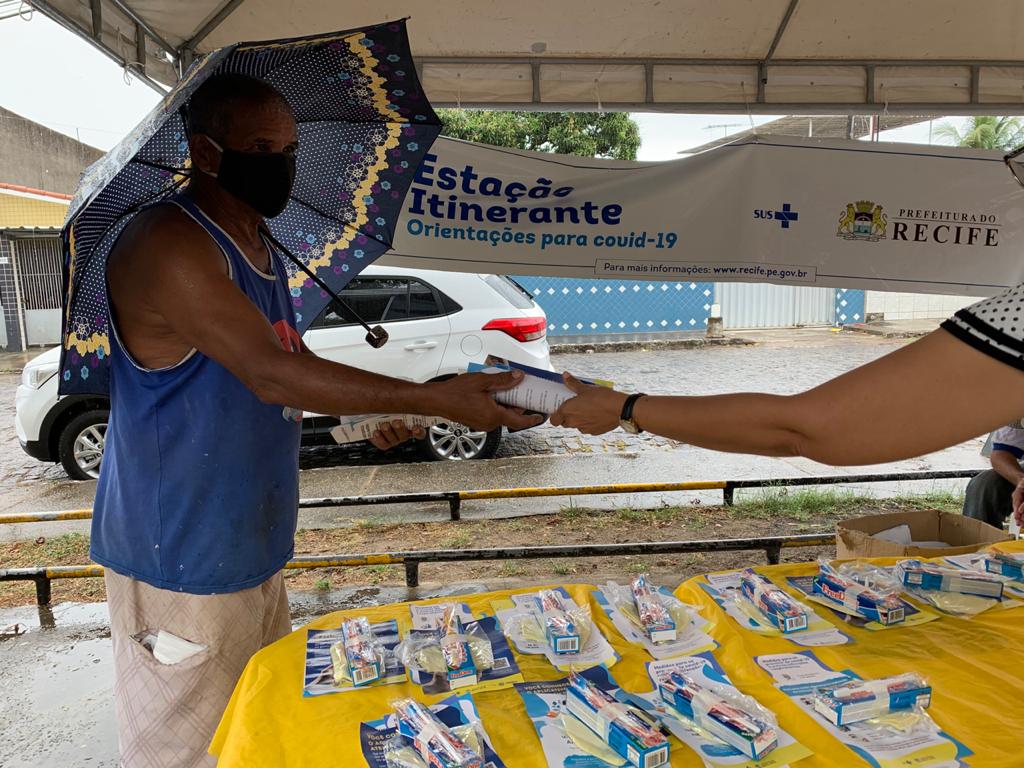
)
(587, 134)
(984, 132)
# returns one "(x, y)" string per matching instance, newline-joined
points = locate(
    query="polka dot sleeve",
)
(994, 326)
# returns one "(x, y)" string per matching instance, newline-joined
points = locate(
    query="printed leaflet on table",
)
(899, 738)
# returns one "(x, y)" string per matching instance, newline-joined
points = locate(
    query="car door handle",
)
(418, 345)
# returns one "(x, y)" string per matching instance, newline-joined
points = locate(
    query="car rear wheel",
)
(455, 442)
(81, 445)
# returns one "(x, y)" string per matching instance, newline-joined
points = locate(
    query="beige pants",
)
(167, 713)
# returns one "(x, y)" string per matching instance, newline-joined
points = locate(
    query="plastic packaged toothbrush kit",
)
(618, 725)
(359, 659)
(916, 574)
(566, 630)
(433, 744)
(781, 610)
(738, 720)
(459, 653)
(660, 617)
(878, 603)
(859, 700)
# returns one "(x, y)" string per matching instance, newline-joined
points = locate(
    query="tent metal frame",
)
(182, 56)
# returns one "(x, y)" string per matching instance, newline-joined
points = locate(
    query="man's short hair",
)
(211, 108)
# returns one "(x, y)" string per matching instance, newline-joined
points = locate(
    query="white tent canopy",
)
(757, 56)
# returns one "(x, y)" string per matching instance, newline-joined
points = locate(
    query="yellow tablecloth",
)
(976, 668)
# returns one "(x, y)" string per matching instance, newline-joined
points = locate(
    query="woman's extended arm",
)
(928, 395)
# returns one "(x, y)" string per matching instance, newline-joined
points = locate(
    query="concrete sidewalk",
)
(58, 704)
(896, 329)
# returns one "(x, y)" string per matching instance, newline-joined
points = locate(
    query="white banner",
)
(852, 214)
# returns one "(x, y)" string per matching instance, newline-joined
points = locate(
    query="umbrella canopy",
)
(363, 125)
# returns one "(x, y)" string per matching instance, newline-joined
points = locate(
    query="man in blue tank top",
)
(196, 505)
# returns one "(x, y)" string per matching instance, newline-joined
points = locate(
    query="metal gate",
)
(37, 264)
(763, 305)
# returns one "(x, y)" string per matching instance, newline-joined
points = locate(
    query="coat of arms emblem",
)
(862, 220)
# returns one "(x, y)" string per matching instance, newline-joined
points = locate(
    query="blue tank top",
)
(199, 486)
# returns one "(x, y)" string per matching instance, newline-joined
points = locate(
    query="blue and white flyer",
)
(705, 671)
(459, 713)
(318, 678)
(903, 739)
(545, 704)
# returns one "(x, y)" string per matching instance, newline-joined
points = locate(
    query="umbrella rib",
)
(161, 167)
(336, 220)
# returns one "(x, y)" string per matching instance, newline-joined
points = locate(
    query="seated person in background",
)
(990, 496)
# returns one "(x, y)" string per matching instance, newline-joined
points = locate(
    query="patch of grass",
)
(572, 512)
(458, 541)
(648, 516)
(379, 573)
(687, 561)
(68, 545)
(945, 501)
(636, 567)
(510, 569)
(322, 585)
(801, 504)
(564, 569)
(369, 523)
(631, 515)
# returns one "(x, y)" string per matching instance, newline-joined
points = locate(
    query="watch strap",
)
(627, 408)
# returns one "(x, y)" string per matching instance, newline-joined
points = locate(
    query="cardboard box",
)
(854, 538)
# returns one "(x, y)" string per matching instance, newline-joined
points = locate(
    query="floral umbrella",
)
(364, 126)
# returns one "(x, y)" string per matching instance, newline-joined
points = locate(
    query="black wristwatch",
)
(626, 420)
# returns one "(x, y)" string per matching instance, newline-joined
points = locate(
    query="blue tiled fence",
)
(588, 307)
(582, 307)
(849, 306)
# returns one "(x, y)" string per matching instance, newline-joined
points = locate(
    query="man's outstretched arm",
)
(200, 303)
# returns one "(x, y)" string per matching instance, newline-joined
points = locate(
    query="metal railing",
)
(43, 576)
(454, 499)
(771, 545)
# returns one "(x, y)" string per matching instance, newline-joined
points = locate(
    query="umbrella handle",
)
(376, 337)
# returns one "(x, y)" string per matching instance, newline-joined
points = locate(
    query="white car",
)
(438, 323)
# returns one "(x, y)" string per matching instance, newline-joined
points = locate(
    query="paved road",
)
(779, 363)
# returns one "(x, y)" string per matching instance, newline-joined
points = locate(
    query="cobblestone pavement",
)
(779, 363)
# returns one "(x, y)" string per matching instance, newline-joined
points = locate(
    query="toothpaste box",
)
(859, 700)
(1004, 565)
(461, 671)
(362, 654)
(779, 608)
(655, 619)
(885, 609)
(559, 628)
(920, 575)
(618, 725)
(745, 731)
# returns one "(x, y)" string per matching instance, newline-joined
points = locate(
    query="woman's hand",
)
(594, 411)
(390, 434)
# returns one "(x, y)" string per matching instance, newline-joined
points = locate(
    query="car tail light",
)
(520, 328)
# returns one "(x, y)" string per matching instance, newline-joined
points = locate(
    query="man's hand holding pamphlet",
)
(540, 392)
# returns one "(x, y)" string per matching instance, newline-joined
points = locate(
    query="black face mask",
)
(262, 180)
